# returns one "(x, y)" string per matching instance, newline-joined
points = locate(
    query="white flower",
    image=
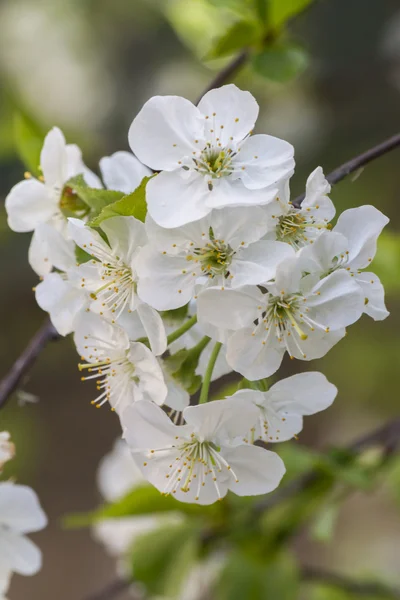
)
(33, 202)
(207, 155)
(301, 226)
(20, 513)
(295, 315)
(61, 293)
(352, 246)
(117, 475)
(224, 248)
(122, 171)
(111, 277)
(7, 448)
(124, 371)
(5, 577)
(200, 461)
(281, 408)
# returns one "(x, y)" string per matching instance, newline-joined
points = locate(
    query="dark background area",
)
(88, 66)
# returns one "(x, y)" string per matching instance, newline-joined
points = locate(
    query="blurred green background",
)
(88, 66)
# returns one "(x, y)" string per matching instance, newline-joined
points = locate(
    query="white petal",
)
(19, 553)
(146, 425)
(238, 226)
(374, 295)
(229, 309)
(88, 239)
(316, 199)
(154, 328)
(288, 276)
(221, 419)
(259, 471)
(362, 227)
(28, 204)
(5, 577)
(178, 239)
(228, 192)
(92, 331)
(339, 303)
(165, 131)
(266, 161)
(117, 473)
(165, 282)
(53, 159)
(233, 109)
(251, 358)
(125, 235)
(258, 263)
(177, 397)
(319, 256)
(174, 200)
(62, 301)
(316, 345)
(122, 171)
(49, 248)
(20, 509)
(151, 379)
(305, 394)
(76, 166)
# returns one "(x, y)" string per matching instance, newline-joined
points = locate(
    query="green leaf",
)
(176, 315)
(132, 205)
(81, 256)
(143, 500)
(28, 141)
(239, 35)
(246, 9)
(280, 62)
(246, 576)
(279, 11)
(96, 198)
(183, 364)
(387, 261)
(162, 558)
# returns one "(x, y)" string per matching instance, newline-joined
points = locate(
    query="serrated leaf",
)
(96, 198)
(279, 11)
(131, 205)
(280, 62)
(240, 35)
(183, 364)
(28, 142)
(143, 500)
(162, 558)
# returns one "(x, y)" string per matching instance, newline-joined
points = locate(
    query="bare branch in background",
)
(357, 162)
(114, 590)
(11, 381)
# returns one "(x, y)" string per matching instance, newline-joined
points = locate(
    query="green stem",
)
(208, 374)
(175, 335)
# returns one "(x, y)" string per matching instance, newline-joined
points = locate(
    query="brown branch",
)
(227, 73)
(361, 588)
(357, 162)
(10, 382)
(387, 436)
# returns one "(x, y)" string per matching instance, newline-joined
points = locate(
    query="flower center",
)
(215, 162)
(214, 258)
(193, 462)
(295, 228)
(119, 288)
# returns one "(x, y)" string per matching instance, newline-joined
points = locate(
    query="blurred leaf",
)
(246, 9)
(132, 205)
(28, 141)
(298, 459)
(143, 500)
(279, 11)
(176, 315)
(240, 35)
(162, 558)
(322, 529)
(387, 261)
(246, 576)
(324, 592)
(281, 62)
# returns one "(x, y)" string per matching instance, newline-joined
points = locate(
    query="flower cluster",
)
(223, 274)
(20, 513)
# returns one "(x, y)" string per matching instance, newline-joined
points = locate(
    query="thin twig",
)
(361, 588)
(357, 162)
(227, 73)
(111, 591)
(10, 382)
(387, 436)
